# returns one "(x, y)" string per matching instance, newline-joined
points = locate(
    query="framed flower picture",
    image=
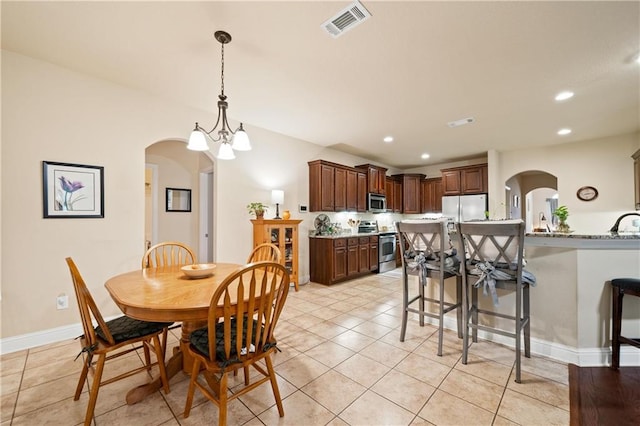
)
(72, 190)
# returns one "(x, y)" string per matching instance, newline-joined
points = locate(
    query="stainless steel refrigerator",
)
(462, 208)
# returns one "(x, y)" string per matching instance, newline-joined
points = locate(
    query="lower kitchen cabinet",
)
(333, 260)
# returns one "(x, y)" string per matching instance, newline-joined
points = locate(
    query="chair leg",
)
(274, 385)
(161, 367)
(223, 400)
(192, 385)
(83, 376)
(95, 387)
(405, 305)
(616, 312)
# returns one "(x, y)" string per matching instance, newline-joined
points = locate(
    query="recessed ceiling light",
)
(425, 156)
(563, 96)
(563, 132)
(388, 139)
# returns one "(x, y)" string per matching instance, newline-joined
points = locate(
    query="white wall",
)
(50, 113)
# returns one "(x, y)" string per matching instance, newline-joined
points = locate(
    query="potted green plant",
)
(258, 209)
(562, 213)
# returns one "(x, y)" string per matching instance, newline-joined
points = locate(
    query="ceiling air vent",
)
(347, 18)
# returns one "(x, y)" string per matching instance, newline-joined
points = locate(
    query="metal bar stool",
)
(424, 248)
(620, 287)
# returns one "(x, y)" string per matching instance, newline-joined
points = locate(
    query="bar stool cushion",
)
(626, 283)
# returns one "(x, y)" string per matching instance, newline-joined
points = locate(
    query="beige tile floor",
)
(342, 363)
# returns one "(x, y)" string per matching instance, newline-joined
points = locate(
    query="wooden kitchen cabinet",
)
(335, 187)
(636, 177)
(431, 200)
(333, 260)
(411, 189)
(284, 234)
(465, 180)
(376, 178)
(393, 194)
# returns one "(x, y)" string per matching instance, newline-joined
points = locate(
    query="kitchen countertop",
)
(605, 240)
(363, 234)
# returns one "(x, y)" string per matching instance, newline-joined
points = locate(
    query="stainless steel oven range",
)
(386, 244)
(387, 251)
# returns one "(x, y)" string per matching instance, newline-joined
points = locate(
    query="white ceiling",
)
(406, 71)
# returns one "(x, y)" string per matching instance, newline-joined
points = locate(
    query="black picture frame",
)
(72, 191)
(177, 200)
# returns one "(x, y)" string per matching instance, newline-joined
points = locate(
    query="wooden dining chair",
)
(110, 336)
(266, 252)
(239, 334)
(168, 253)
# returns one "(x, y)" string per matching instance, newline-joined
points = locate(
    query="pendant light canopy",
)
(229, 140)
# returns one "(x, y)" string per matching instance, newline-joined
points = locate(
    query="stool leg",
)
(460, 308)
(405, 304)
(527, 326)
(465, 320)
(421, 285)
(617, 296)
(440, 315)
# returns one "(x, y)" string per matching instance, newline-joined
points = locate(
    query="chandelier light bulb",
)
(197, 141)
(225, 152)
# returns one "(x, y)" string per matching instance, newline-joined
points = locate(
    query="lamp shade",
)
(225, 152)
(277, 196)
(241, 140)
(197, 141)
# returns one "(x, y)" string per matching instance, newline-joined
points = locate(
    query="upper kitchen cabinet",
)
(376, 178)
(393, 195)
(465, 180)
(636, 177)
(411, 192)
(334, 187)
(432, 195)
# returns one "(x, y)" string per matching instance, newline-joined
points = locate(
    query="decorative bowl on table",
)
(198, 270)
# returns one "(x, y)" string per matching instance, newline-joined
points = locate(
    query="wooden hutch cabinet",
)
(284, 234)
(465, 180)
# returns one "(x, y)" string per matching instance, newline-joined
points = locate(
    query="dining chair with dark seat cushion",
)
(239, 334)
(426, 253)
(108, 340)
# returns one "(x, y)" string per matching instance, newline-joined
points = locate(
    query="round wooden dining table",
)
(167, 294)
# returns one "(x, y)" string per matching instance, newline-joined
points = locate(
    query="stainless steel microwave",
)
(376, 203)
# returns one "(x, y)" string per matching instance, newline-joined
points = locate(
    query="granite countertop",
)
(602, 236)
(347, 235)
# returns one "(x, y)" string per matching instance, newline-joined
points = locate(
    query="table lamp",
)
(277, 198)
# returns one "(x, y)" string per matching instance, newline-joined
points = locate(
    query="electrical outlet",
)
(62, 302)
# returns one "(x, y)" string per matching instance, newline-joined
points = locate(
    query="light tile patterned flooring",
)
(342, 363)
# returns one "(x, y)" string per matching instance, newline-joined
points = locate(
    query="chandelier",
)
(229, 140)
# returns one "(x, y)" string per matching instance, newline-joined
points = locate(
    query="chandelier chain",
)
(222, 71)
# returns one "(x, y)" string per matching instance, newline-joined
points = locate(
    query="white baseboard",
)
(586, 357)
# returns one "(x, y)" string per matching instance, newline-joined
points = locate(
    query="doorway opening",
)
(532, 196)
(168, 164)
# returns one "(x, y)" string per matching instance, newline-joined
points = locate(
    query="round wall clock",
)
(587, 193)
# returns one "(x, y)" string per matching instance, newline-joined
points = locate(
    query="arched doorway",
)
(168, 164)
(532, 196)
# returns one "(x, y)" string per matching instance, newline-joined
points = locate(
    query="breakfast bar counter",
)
(571, 304)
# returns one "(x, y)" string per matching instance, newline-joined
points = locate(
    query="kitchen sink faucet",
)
(614, 228)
